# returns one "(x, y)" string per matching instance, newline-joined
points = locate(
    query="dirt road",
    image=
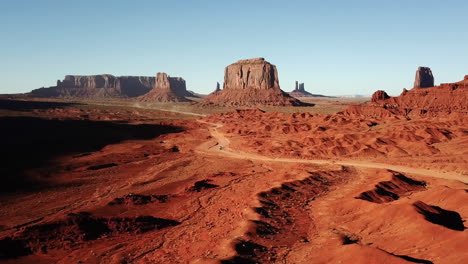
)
(220, 146)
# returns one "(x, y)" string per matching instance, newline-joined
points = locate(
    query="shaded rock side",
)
(218, 89)
(251, 82)
(167, 89)
(98, 86)
(424, 78)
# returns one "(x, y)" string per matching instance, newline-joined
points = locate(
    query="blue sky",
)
(334, 47)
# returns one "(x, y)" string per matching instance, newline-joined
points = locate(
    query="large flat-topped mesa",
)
(251, 74)
(89, 81)
(167, 89)
(98, 86)
(252, 82)
(424, 78)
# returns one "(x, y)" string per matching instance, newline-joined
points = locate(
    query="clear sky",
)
(334, 47)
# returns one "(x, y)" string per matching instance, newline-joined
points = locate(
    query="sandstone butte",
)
(424, 78)
(299, 91)
(98, 86)
(167, 89)
(251, 82)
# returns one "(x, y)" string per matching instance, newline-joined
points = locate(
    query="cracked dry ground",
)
(159, 201)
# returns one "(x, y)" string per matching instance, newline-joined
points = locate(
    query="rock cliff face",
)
(424, 78)
(251, 74)
(167, 89)
(251, 82)
(98, 86)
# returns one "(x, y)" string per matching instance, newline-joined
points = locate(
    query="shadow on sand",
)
(22, 106)
(29, 142)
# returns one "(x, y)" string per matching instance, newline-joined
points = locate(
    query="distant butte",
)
(251, 82)
(167, 89)
(424, 78)
(97, 86)
(299, 91)
(218, 89)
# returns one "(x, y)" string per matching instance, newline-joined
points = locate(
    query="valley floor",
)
(164, 187)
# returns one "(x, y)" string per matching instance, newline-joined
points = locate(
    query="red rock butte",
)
(299, 91)
(424, 78)
(166, 89)
(251, 82)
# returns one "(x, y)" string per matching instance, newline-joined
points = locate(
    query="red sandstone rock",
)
(379, 96)
(251, 82)
(433, 101)
(167, 89)
(424, 78)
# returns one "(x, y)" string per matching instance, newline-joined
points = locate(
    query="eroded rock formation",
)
(446, 99)
(217, 87)
(299, 91)
(98, 86)
(424, 78)
(251, 82)
(251, 74)
(167, 89)
(379, 96)
(301, 87)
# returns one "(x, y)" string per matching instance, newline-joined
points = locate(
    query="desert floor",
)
(100, 182)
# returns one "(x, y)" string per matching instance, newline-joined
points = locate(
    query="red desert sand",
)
(382, 182)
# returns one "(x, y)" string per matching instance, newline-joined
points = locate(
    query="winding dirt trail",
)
(220, 146)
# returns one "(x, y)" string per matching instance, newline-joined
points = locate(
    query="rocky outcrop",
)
(217, 88)
(299, 91)
(424, 78)
(167, 89)
(92, 81)
(251, 82)
(251, 74)
(301, 87)
(379, 96)
(178, 86)
(439, 101)
(98, 86)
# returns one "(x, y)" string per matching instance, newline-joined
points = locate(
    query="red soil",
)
(241, 187)
(431, 141)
